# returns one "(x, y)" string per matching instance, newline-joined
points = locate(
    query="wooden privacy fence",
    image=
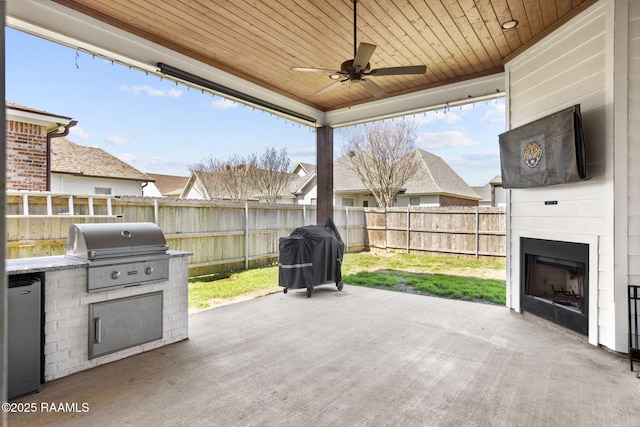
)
(476, 231)
(226, 236)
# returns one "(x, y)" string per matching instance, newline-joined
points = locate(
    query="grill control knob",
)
(115, 275)
(148, 270)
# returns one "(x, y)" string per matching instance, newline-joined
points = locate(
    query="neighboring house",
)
(433, 184)
(77, 169)
(28, 138)
(39, 158)
(492, 193)
(304, 186)
(165, 186)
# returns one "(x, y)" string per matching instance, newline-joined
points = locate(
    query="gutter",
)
(60, 130)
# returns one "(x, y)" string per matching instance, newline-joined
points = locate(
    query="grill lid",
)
(93, 241)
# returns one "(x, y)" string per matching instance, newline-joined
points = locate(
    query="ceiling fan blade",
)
(373, 88)
(397, 71)
(364, 53)
(328, 88)
(314, 70)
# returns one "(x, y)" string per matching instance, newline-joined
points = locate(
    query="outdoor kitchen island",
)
(68, 331)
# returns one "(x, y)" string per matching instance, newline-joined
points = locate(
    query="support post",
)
(3, 236)
(324, 169)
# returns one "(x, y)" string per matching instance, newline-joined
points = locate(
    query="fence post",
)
(408, 227)
(346, 212)
(304, 215)
(246, 235)
(25, 204)
(90, 203)
(477, 232)
(156, 211)
(71, 210)
(49, 205)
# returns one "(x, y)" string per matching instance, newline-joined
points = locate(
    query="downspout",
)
(58, 132)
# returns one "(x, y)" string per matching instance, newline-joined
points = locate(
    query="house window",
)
(365, 204)
(102, 190)
(414, 201)
(347, 201)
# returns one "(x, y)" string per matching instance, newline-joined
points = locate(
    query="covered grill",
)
(119, 254)
(311, 256)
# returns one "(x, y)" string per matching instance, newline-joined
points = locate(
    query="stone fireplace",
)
(554, 282)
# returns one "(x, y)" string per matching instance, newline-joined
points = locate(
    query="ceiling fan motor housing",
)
(347, 68)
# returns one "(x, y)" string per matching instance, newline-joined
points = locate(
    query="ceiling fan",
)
(359, 69)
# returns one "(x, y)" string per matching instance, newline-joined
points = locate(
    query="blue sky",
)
(160, 127)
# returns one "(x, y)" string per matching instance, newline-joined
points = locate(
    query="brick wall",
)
(26, 162)
(447, 201)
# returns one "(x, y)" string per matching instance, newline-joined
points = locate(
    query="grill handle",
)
(97, 330)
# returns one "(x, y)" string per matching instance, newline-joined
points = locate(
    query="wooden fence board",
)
(230, 235)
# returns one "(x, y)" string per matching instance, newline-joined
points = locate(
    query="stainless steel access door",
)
(125, 322)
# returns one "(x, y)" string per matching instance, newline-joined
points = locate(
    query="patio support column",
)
(3, 292)
(324, 175)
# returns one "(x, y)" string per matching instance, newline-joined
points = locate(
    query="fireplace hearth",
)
(554, 282)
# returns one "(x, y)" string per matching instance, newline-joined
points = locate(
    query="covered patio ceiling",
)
(245, 49)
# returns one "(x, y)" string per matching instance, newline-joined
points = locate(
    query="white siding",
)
(403, 201)
(71, 184)
(633, 132)
(571, 66)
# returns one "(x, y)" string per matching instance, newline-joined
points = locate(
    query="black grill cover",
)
(311, 256)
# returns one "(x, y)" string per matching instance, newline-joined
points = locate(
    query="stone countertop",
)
(54, 263)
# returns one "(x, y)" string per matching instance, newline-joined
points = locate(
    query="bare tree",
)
(270, 173)
(221, 179)
(209, 181)
(383, 157)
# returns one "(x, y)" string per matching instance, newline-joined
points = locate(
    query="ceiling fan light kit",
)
(359, 69)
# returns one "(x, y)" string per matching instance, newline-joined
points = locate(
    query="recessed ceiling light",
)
(335, 76)
(509, 25)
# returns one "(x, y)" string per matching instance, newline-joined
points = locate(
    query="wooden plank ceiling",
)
(260, 41)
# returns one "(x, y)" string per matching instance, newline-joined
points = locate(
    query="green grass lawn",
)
(450, 277)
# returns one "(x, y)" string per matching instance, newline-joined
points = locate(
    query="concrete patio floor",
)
(361, 357)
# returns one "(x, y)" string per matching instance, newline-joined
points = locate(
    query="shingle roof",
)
(20, 107)
(67, 157)
(433, 176)
(169, 185)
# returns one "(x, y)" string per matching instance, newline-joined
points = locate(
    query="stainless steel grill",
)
(119, 254)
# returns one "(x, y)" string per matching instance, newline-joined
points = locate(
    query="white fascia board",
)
(35, 118)
(65, 26)
(465, 92)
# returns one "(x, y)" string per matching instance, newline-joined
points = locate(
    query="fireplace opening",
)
(554, 281)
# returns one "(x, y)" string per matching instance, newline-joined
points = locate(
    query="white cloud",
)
(446, 139)
(476, 168)
(77, 132)
(302, 151)
(115, 140)
(127, 157)
(224, 104)
(151, 91)
(495, 114)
